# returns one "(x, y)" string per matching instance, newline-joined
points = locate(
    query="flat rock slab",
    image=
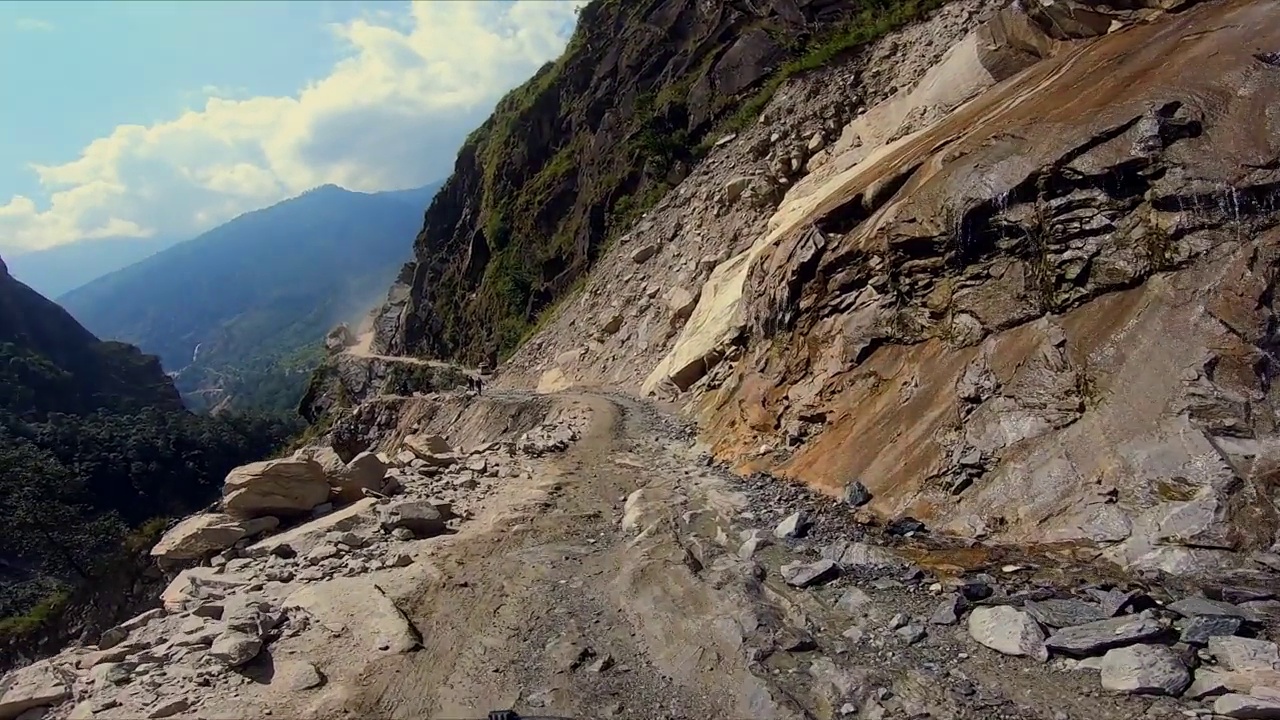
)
(30, 687)
(199, 585)
(1247, 707)
(1194, 606)
(376, 624)
(861, 555)
(1245, 654)
(1064, 613)
(1102, 635)
(1008, 630)
(304, 538)
(1144, 669)
(1202, 627)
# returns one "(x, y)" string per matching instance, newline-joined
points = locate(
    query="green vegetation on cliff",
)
(94, 445)
(572, 158)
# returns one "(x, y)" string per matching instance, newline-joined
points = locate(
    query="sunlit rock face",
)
(1045, 315)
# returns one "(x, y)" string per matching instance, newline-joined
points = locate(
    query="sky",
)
(163, 119)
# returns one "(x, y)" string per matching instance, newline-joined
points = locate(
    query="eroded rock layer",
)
(1048, 315)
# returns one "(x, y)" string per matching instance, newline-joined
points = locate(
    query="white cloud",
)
(28, 24)
(391, 114)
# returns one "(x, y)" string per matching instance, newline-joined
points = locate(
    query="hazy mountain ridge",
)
(60, 269)
(255, 293)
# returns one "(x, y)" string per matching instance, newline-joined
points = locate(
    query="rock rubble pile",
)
(298, 545)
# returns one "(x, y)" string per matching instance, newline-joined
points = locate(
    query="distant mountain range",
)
(238, 314)
(63, 268)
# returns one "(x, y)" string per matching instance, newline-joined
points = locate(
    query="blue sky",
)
(164, 118)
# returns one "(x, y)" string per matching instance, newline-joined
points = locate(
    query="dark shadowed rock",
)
(1202, 627)
(856, 494)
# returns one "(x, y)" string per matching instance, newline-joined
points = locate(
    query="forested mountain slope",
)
(94, 443)
(240, 311)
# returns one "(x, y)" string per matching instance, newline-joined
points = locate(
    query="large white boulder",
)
(366, 471)
(283, 487)
(427, 445)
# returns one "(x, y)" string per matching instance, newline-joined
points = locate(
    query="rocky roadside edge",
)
(1191, 649)
(247, 587)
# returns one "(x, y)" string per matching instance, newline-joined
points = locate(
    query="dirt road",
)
(612, 585)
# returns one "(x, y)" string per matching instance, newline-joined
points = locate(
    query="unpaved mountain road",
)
(612, 586)
(531, 607)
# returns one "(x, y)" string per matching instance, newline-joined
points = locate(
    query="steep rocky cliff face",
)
(573, 157)
(1025, 294)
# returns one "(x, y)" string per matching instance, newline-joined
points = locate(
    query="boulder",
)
(366, 471)
(803, 575)
(284, 487)
(202, 535)
(735, 188)
(113, 636)
(612, 323)
(644, 252)
(1008, 630)
(856, 494)
(246, 620)
(796, 525)
(326, 456)
(37, 685)
(233, 648)
(168, 707)
(419, 517)
(424, 445)
(949, 610)
(1144, 669)
(680, 303)
(854, 601)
